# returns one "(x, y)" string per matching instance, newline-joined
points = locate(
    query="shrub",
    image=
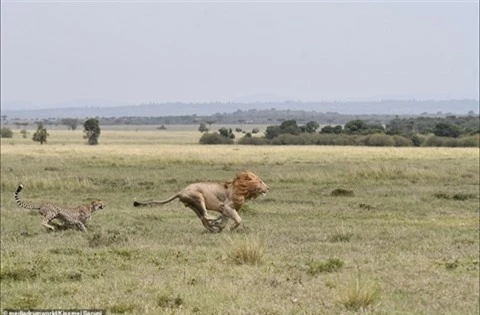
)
(345, 140)
(402, 141)
(331, 265)
(417, 140)
(214, 138)
(434, 141)
(379, 140)
(249, 140)
(470, 141)
(6, 132)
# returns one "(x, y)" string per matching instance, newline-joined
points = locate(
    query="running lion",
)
(225, 198)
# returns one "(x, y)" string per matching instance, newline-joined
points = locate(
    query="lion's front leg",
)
(208, 225)
(228, 212)
(220, 222)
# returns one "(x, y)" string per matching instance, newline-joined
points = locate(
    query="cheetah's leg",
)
(45, 222)
(82, 226)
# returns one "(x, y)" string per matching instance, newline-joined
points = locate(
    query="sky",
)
(124, 53)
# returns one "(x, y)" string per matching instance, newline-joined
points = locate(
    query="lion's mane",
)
(244, 186)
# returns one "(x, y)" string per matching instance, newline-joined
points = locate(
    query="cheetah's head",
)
(98, 205)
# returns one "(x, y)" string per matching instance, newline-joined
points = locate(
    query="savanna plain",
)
(343, 230)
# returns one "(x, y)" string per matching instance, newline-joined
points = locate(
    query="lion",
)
(226, 198)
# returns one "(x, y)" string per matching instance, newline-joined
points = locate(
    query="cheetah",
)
(77, 216)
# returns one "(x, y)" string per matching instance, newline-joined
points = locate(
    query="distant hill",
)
(384, 107)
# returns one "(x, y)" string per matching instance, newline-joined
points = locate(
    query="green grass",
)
(410, 224)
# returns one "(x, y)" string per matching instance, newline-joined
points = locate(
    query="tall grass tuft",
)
(248, 251)
(107, 238)
(341, 235)
(331, 265)
(169, 301)
(359, 295)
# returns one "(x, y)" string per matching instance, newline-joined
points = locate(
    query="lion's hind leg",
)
(197, 204)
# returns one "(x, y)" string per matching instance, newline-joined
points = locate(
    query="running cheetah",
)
(77, 216)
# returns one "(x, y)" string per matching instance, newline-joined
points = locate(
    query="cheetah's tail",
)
(20, 203)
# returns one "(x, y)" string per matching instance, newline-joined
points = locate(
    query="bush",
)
(214, 138)
(471, 141)
(7, 132)
(345, 140)
(249, 140)
(402, 141)
(379, 140)
(288, 139)
(417, 140)
(433, 141)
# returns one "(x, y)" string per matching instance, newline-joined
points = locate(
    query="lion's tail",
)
(155, 202)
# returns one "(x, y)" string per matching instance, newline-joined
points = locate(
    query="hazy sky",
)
(130, 52)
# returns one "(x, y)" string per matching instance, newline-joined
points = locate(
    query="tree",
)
(401, 127)
(203, 127)
(7, 132)
(290, 127)
(71, 123)
(91, 131)
(311, 127)
(355, 126)
(41, 134)
(210, 122)
(227, 133)
(332, 130)
(272, 132)
(445, 129)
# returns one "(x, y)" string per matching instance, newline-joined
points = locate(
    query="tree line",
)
(419, 131)
(91, 131)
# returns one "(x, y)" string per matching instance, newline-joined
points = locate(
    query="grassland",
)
(405, 242)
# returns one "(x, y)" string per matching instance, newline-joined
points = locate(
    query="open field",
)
(405, 242)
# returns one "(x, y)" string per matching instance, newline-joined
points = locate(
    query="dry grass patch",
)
(247, 251)
(359, 295)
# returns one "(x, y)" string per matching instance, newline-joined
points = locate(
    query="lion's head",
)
(246, 185)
